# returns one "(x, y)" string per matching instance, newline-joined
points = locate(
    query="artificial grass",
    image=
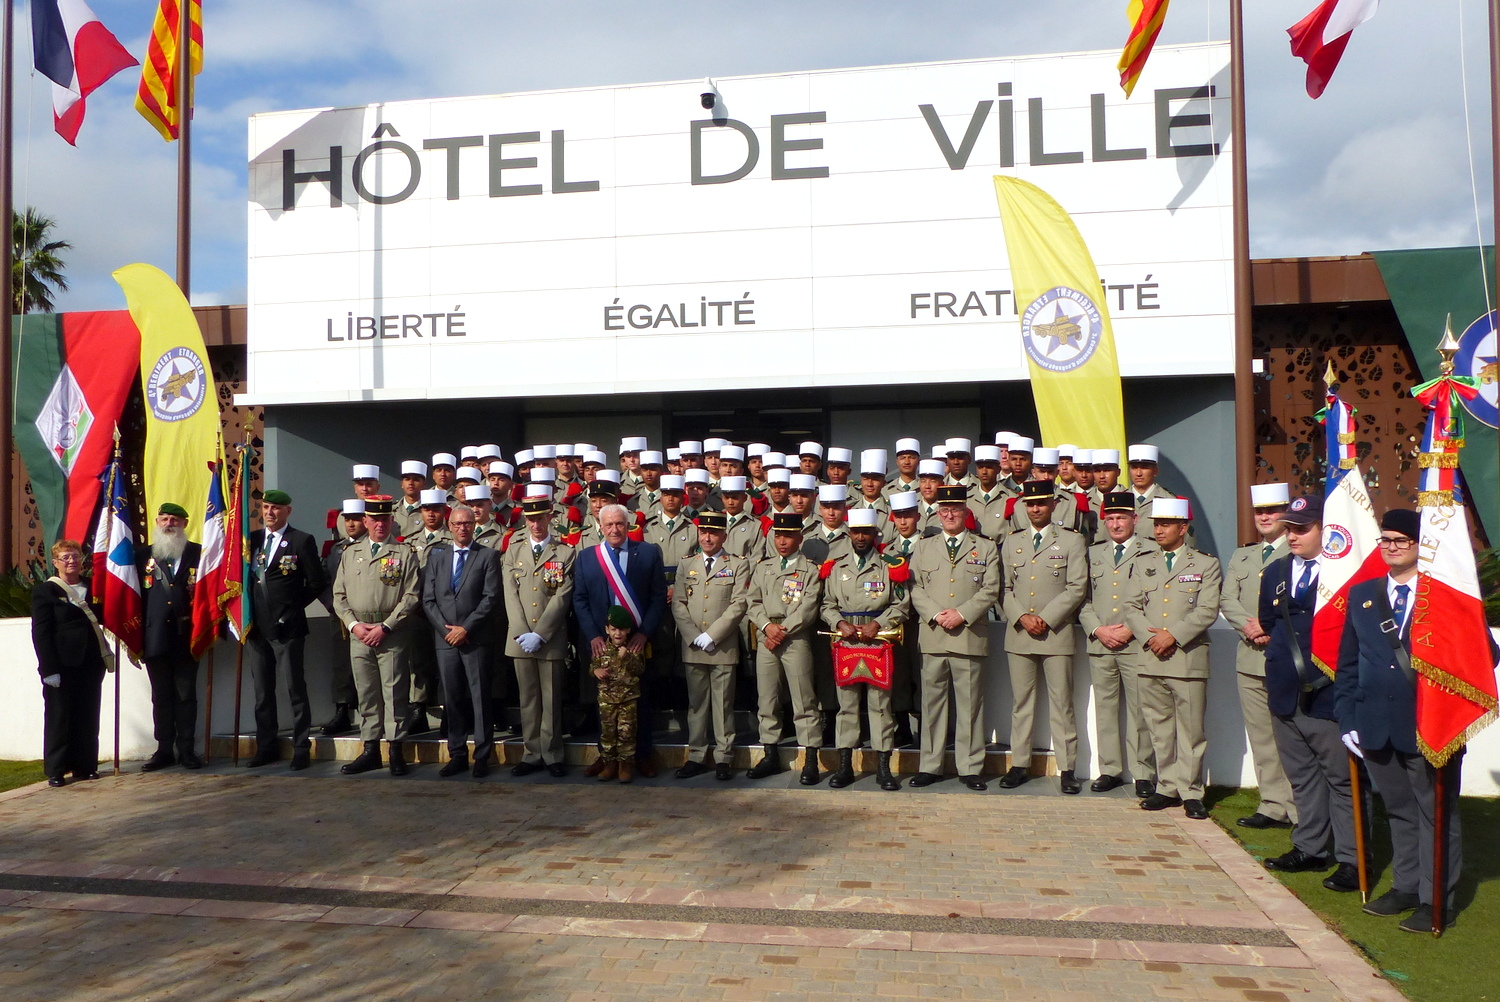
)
(14, 774)
(1458, 966)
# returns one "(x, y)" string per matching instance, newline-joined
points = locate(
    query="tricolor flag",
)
(116, 583)
(234, 598)
(207, 611)
(1350, 551)
(1146, 18)
(1451, 646)
(73, 49)
(156, 99)
(1320, 37)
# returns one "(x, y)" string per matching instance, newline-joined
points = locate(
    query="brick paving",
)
(244, 886)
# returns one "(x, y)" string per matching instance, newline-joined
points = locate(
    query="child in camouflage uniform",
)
(619, 673)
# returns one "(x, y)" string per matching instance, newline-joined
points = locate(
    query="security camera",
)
(710, 94)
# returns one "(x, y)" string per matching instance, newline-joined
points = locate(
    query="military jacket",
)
(746, 537)
(1145, 525)
(898, 486)
(489, 534)
(713, 603)
(860, 594)
(988, 509)
(1240, 601)
(623, 683)
(969, 583)
(383, 589)
(645, 501)
(1110, 585)
(789, 595)
(425, 539)
(1050, 581)
(815, 538)
(538, 595)
(677, 538)
(1184, 602)
(1065, 513)
(407, 518)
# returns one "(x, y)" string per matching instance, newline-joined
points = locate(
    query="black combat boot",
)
(883, 773)
(809, 775)
(769, 765)
(845, 774)
(398, 759)
(368, 760)
(339, 722)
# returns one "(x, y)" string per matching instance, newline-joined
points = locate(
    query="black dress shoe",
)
(1160, 802)
(368, 760)
(57, 781)
(690, 769)
(556, 770)
(339, 722)
(1421, 920)
(1392, 903)
(1345, 878)
(1105, 783)
(155, 762)
(1195, 810)
(1069, 782)
(974, 783)
(85, 775)
(924, 779)
(301, 759)
(723, 772)
(190, 761)
(481, 769)
(1260, 821)
(524, 768)
(1144, 788)
(1014, 777)
(1297, 861)
(454, 766)
(263, 758)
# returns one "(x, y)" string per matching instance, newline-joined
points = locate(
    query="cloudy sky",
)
(1381, 161)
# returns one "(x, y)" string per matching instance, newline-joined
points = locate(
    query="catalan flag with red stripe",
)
(1146, 18)
(157, 97)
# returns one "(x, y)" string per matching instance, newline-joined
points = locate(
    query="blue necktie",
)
(1399, 610)
(614, 556)
(1305, 581)
(458, 567)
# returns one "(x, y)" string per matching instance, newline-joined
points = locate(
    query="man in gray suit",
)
(460, 589)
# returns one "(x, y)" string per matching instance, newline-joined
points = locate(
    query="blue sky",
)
(1381, 161)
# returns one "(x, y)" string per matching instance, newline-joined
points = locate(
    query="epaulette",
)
(970, 522)
(636, 535)
(333, 519)
(505, 542)
(1010, 506)
(897, 568)
(574, 489)
(328, 547)
(575, 517)
(571, 539)
(826, 569)
(400, 539)
(765, 525)
(1082, 500)
(759, 504)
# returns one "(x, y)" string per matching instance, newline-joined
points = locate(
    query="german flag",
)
(156, 99)
(1146, 18)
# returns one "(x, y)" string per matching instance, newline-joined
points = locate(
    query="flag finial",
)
(1330, 377)
(1448, 346)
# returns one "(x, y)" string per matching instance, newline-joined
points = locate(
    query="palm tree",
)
(38, 264)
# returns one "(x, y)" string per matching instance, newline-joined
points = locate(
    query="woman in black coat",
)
(70, 660)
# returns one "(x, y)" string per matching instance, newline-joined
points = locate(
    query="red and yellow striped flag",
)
(1146, 18)
(157, 97)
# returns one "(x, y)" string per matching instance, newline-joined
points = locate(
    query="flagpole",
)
(208, 709)
(1439, 838)
(1363, 862)
(118, 668)
(7, 289)
(182, 83)
(1244, 320)
(1494, 175)
(239, 667)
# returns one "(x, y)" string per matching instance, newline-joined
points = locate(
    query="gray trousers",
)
(966, 707)
(382, 676)
(792, 659)
(1173, 709)
(1117, 685)
(1058, 669)
(1317, 765)
(710, 705)
(466, 682)
(540, 682)
(1275, 790)
(1406, 785)
(877, 703)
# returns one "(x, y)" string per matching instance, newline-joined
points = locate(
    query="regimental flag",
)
(212, 568)
(1350, 551)
(182, 407)
(1065, 329)
(116, 584)
(157, 97)
(1319, 38)
(1451, 646)
(72, 375)
(1146, 18)
(235, 596)
(73, 49)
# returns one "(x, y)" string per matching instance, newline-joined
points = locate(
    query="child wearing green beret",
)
(619, 673)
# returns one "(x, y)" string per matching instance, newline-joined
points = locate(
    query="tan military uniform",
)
(489, 534)
(988, 509)
(789, 593)
(816, 535)
(906, 682)
(858, 593)
(677, 537)
(1240, 603)
(898, 486)
(967, 580)
(384, 589)
(1064, 513)
(1145, 525)
(711, 601)
(645, 501)
(746, 537)
(1117, 674)
(1185, 601)
(1047, 578)
(408, 518)
(538, 597)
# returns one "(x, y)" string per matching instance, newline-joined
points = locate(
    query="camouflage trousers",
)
(617, 729)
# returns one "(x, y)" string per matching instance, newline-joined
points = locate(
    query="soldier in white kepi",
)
(408, 507)
(908, 455)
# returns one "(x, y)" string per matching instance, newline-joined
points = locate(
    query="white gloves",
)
(531, 642)
(53, 680)
(704, 643)
(1351, 742)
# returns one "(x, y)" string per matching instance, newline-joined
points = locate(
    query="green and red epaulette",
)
(897, 568)
(575, 517)
(826, 569)
(573, 537)
(1010, 506)
(636, 535)
(574, 489)
(759, 504)
(765, 525)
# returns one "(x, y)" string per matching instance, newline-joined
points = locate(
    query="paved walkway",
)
(236, 885)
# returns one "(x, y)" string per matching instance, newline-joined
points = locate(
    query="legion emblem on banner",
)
(1061, 328)
(1476, 358)
(65, 420)
(177, 384)
(856, 664)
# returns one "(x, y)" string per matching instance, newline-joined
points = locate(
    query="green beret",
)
(168, 508)
(619, 618)
(276, 497)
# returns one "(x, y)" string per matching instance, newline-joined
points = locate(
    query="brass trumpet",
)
(891, 634)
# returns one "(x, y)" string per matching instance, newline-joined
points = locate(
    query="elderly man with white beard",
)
(169, 569)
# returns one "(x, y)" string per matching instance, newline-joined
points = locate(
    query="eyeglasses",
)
(1395, 542)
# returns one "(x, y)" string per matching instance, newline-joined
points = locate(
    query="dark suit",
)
(592, 598)
(168, 635)
(1307, 736)
(1374, 697)
(66, 645)
(467, 668)
(283, 583)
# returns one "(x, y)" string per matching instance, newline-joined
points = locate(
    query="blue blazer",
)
(1374, 697)
(1283, 684)
(644, 573)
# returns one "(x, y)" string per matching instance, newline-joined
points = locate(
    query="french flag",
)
(1319, 38)
(73, 49)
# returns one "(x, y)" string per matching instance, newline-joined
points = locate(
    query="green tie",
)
(1170, 558)
(906, 547)
(374, 549)
(953, 550)
(1036, 541)
(1119, 553)
(1266, 550)
(783, 563)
